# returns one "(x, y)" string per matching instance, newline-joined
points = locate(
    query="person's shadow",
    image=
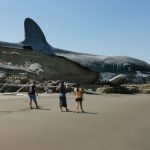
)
(28, 109)
(90, 113)
(44, 109)
(41, 108)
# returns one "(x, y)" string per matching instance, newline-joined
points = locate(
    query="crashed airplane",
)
(90, 65)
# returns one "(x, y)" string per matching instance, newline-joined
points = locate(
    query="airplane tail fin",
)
(34, 37)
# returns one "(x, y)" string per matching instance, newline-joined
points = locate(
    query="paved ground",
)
(112, 122)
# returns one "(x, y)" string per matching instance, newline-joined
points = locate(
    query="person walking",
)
(79, 97)
(32, 94)
(62, 96)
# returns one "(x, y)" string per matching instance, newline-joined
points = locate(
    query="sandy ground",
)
(112, 122)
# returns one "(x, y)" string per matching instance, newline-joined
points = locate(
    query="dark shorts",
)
(78, 99)
(32, 97)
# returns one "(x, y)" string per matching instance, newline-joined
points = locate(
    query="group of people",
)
(62, 89)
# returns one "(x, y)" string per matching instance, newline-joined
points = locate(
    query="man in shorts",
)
(32, 94)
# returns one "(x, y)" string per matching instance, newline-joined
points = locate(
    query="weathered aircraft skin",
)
(35, 40)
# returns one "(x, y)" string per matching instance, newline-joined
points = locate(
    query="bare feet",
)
(67, 110)
(37, 107)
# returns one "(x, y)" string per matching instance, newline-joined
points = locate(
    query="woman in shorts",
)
(79, 97)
